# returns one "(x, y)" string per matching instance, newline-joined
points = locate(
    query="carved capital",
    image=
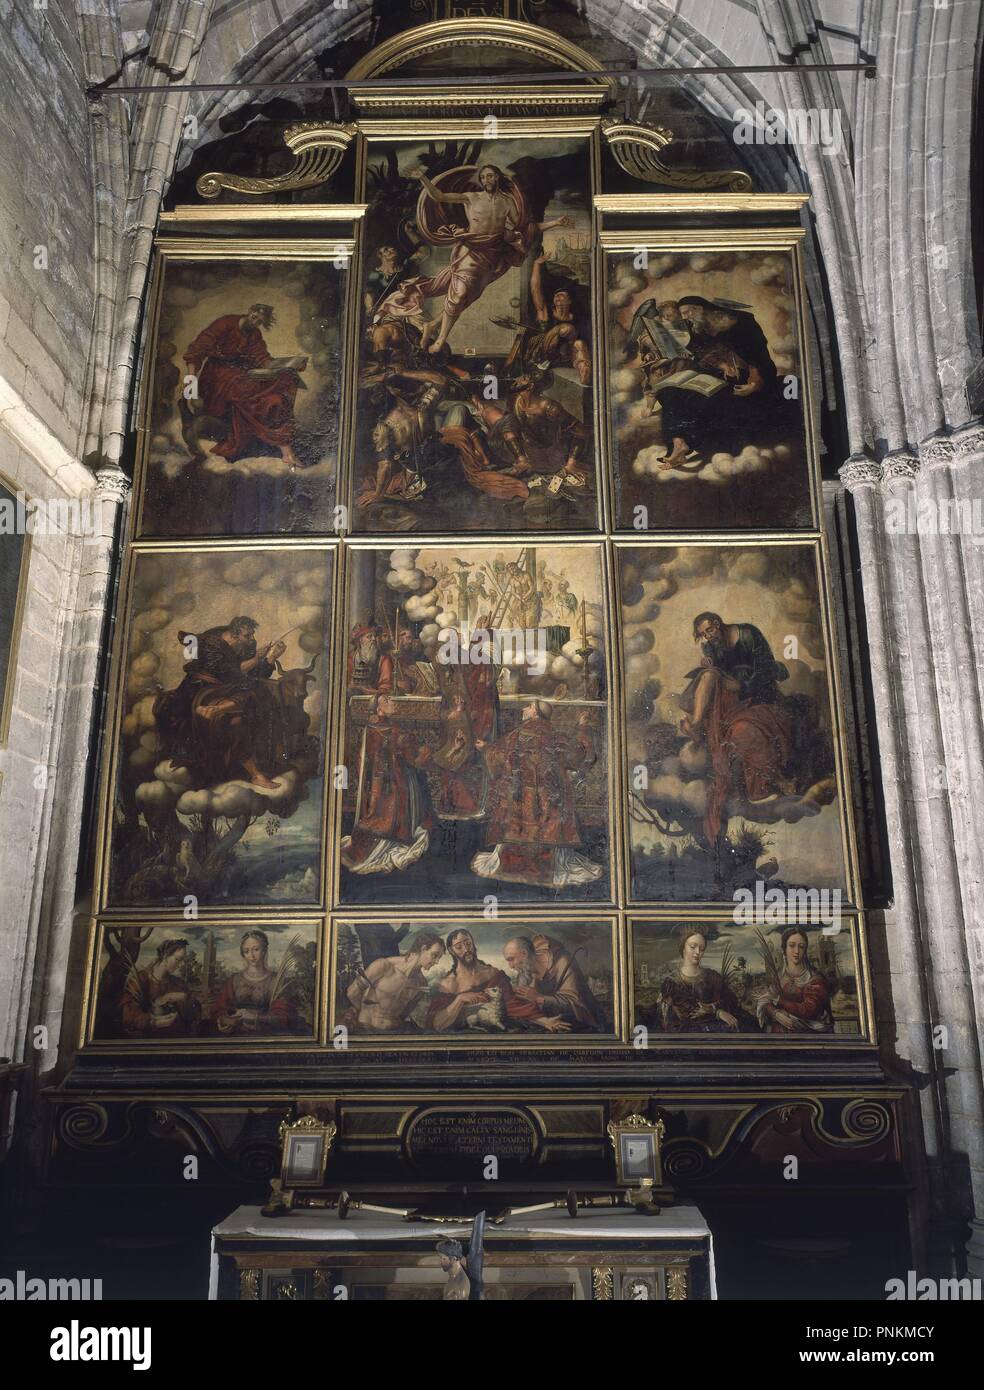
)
(968, 443)
(638, 150)
(112, 485)
(859, 472)
(937, 451)
(317, 147)
(899, 469)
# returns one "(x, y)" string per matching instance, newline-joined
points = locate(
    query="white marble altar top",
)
(611, 1223)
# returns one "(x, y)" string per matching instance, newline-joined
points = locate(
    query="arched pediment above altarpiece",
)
(452, 65)
(450, 68)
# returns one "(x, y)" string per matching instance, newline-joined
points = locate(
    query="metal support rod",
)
(94, 90)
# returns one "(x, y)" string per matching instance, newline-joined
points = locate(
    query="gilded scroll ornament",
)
(866, 1121)
(317, 147)
(638, 150)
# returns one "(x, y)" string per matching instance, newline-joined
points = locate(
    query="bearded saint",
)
(733, 704)
(728, 343)
(549, 981)
(236, 383)
(371, 667)
(469, 984)
(225, 719)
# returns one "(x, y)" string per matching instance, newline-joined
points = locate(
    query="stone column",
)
(81, 676)
(51, 995)
(922, 592)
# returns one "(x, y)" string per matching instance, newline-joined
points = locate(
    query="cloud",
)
(625, 284)
(172, 788)
(420, 608)
(625, 391)
(406, 577)
(720, 469)
(268, 465)
(240, 798)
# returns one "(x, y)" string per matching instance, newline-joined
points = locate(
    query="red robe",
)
(479, 469)
(239, 992)
(141, 993)
(259, 412)
(385, 681)
(463, 774)
(463, 779)
(809, 1003)
(391, 790)
(749, 745)
(530, 804)
(482, 700)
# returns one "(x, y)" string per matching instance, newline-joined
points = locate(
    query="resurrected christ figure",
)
(500, 234)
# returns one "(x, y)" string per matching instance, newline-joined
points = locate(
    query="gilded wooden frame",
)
(190, 236)
(852, 923)
(788, 240)
(111, 761)
(510, 922)
(266, 1042)
(193, 249)
(588, 89)
(612, 723)
(403, 130)
(636, 1127)
(306, 1127)
(188, 214)
(768, 540)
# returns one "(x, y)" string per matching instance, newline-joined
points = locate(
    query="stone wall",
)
(46, 308)
(36, 775)
(45, 202)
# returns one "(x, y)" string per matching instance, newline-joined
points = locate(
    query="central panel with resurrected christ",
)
(476, 386)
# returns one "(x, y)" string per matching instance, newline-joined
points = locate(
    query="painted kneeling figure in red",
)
(533, 831)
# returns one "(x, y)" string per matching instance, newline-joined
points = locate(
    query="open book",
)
(690, 380)
(276, 365)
